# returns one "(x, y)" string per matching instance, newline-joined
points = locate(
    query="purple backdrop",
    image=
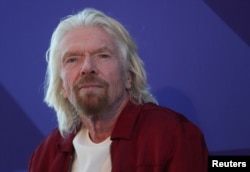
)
(196, 54)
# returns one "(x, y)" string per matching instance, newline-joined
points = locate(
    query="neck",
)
(100, 126)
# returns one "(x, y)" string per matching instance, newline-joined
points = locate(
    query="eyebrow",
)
(102, 49)
(80, 53)
(73, 53)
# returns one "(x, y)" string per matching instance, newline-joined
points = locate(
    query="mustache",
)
(91, 79)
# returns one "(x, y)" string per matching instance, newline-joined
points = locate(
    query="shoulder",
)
(167, 119)
(161, 114)
(51, 140)
(169, 126)
(48, 144)
(49, 148)
(174, 136)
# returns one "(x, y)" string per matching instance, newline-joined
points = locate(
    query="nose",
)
(88, 66)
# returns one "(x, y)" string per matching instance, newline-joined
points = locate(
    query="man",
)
(107, 118)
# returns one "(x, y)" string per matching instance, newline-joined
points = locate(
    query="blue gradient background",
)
(196, 54)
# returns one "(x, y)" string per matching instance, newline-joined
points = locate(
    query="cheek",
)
(67, 84)
(119, 82)
(65, 88)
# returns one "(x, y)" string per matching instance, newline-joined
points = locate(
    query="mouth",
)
(90, 86)
(90, 83)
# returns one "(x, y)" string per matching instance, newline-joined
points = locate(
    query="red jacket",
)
(146, 138)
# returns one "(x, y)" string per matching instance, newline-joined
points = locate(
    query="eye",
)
(71, 60)
(103, 56)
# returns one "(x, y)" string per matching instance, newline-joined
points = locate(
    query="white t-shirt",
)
(89, 156)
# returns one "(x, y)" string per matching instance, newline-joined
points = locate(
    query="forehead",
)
(86, 39)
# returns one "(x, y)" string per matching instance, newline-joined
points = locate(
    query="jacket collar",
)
(122, 130)
(66, 143)
(126, 122)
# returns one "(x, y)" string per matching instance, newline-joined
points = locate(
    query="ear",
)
(128, 81)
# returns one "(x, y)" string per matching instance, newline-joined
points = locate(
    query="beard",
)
(91, 102)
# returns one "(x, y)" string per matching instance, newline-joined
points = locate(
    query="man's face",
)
(94, 79)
